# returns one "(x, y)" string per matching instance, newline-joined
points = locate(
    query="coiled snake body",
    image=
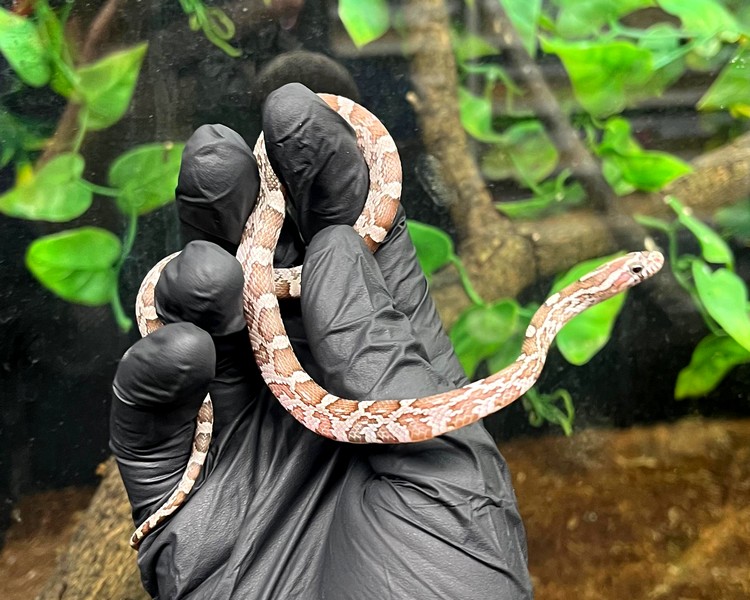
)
(380, 421)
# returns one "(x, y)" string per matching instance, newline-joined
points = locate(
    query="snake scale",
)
(380, 421)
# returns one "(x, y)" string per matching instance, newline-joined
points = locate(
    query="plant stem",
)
(123, 321)
(83, 117)
(100, 189)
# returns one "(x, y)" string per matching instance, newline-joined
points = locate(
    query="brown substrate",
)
(659, 512)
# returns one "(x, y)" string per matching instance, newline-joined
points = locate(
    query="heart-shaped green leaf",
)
(526, 154)
(712, 359)
(107, 86)
(23, 49)
(56, 193)
(364, 20)
(524, 14)
(724, 296)
(146, 176)
(476, 116)
(78, 265)
(481, 331)
(434, 247)
(607, 76)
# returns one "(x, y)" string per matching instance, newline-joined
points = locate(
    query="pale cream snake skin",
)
(380, 421)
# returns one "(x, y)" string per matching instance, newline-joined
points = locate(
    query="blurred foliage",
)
(612, 67)
(83, 264)
(720, 295)
(491, 334)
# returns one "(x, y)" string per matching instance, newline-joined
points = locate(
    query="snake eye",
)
(636, 269)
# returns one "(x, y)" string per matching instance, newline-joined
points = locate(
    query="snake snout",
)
(648, 263)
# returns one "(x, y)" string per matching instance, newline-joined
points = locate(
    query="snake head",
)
(621, 273)
(642, 265)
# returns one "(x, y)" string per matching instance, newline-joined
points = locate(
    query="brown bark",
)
(99, 563)
(489, 243)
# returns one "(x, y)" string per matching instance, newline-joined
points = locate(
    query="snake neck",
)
(517, 378)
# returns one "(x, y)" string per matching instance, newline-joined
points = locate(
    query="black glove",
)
(278, 511)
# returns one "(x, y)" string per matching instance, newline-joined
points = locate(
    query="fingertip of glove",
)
(203, 286)
(217, 186)
(176, 362)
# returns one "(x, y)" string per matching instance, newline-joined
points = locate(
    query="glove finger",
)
(158, 388)
(217, 186)
(357, 335)
(314, 152)
(405, 280)
(203, 286)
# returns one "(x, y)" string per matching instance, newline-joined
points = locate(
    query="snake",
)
(392, 421)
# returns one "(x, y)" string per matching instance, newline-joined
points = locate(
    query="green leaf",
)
(468, 46)
(713, 249)
(23, 49)
(731, 89)
(19, 136)
(526, 154)
(542, 407)
(364, 20)
(704, 18)
(643, 169)
(107, 86)
(735, 221)
(146, 176)
(578, 18)
(650, 170)
(481, 331)
(56, 193)
(587, 333)
(78, 265)
(606, 76)
(549, 197)
(524, 15)
(476, 116)
(434, 247)
(712, 359)
(511, 348)
(724, 296)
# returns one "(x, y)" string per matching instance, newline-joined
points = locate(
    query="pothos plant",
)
(611, 67)
(80, 264)
(718, 293)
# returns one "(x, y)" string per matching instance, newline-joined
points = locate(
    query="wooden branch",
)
(721, 177)
(488, 242)
(67, 126)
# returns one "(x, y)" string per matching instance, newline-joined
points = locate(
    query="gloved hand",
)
(278, 511)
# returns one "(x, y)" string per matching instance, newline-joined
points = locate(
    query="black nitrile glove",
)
(280, 512)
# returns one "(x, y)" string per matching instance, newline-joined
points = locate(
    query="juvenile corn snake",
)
(381, 421)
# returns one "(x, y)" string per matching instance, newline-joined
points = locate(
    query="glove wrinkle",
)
(350, 320)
